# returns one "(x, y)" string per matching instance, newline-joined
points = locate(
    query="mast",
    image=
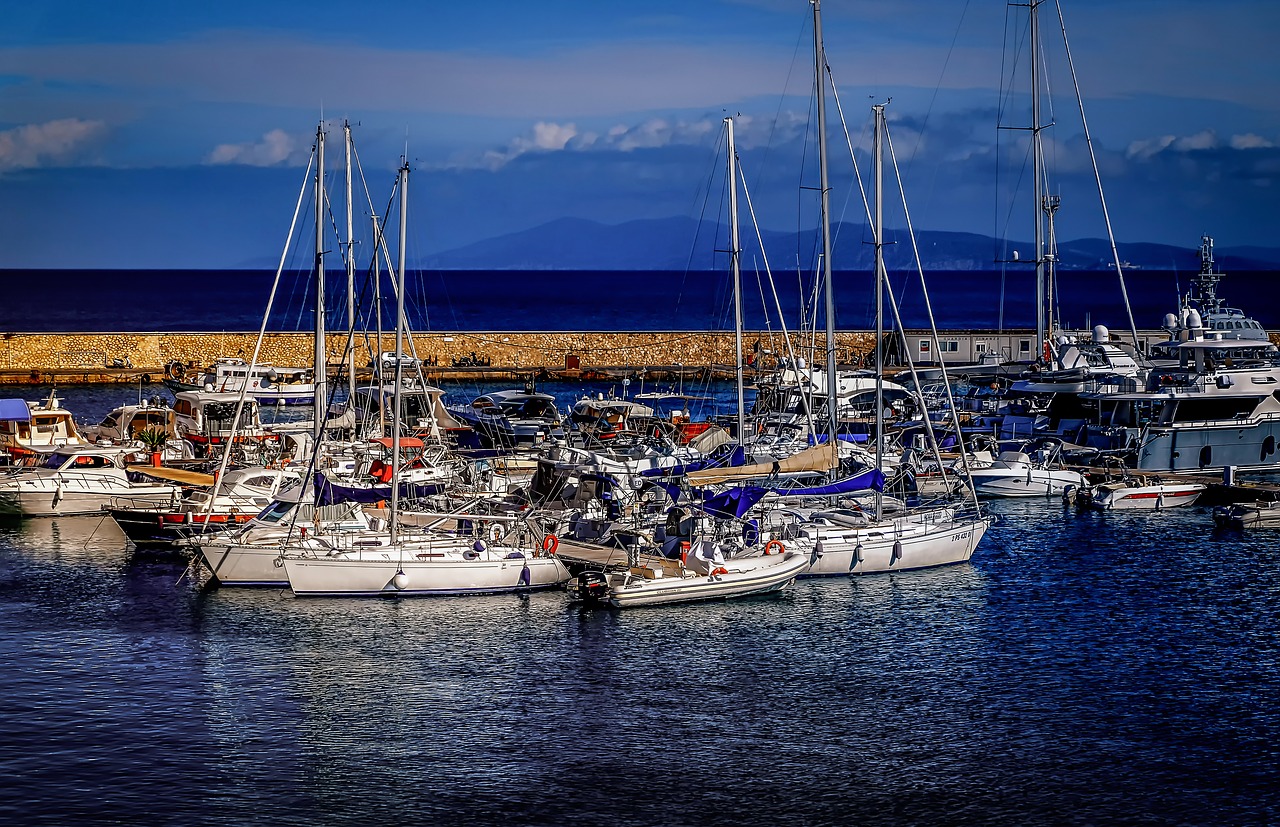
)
(321, 360)
(819, 62)
(877, 230)
(734, 267)
(351, 272)
(399, 373)
(1037, 149)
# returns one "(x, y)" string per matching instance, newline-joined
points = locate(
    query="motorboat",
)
(1248, 515)
(208, 506)
(1142, 493)
(704, 572)
(1017, 473)
(514, 419)
(267, 384)
(28, 427)
(79, 480)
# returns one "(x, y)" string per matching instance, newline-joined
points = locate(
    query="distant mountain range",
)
(686, 244)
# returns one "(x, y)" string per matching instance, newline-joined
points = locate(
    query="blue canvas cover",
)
(14, 410)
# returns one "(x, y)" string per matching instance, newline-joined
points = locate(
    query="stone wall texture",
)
(89, 353)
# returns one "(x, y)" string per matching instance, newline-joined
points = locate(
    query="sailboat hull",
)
(339, 576)
(879, 549)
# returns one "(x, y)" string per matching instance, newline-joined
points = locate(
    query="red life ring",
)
(774, 544)
(550, 543)
(718, 571)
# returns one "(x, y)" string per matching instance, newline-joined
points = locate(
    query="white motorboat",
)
(1019, 474)
(79, 480)
(1131, 494)
(704, 573)
(1248, 515)
(268, 384)
(28, 427)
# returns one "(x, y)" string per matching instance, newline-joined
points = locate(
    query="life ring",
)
(772, 544)
(550, 543)
(718, 571)
(175, 370)
(495, 532)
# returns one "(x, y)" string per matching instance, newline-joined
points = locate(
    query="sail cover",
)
(818, 458)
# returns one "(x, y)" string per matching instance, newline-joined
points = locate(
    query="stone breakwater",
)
(100, 357)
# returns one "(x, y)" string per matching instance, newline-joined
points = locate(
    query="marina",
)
(625, 431)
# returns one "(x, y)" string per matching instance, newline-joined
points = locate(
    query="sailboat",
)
(703, 556)
(392, 561)
(845, 539)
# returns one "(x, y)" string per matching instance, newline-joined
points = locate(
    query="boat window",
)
(1024, 345)
(1229, 407)
(109, 422)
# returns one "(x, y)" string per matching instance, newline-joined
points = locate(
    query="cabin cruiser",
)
(268, 384)
(1079, 365)
(516, 419)
(78, 480)
(27, 427)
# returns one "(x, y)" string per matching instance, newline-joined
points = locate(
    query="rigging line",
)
(257, 347)
(1093, 158)
(933, 327)
(782, 321)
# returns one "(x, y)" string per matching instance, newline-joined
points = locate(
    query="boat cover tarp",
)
(329, 492)
(14, 410)
(817, 458)
(736, 502)
(871, 480)
(718, 459)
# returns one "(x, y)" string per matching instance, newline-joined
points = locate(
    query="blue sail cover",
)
(872, 480)
(723, 457)
(734, 503)
(328, 492)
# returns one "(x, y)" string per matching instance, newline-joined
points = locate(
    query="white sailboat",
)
(390, 561)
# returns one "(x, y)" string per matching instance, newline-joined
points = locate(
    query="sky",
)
(157, 134)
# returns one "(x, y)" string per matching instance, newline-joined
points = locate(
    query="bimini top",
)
(14, 410)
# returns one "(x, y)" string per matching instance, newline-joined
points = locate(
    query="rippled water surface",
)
(1083, 669)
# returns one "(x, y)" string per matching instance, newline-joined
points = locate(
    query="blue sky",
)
(160, 134)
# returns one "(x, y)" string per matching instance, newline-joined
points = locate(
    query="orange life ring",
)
(550, 543)
(774, 544)
(719, 571)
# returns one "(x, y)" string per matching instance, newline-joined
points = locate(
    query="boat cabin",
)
(210, 418)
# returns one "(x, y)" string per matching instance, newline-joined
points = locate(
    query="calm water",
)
(234, 300)
(1083, 669)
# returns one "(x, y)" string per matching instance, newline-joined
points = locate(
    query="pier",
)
(659, 356)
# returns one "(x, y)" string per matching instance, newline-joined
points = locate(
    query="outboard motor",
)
(591, 587)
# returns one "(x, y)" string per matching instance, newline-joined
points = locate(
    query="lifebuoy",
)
(718, 571)
(550, 543)
(772, 544)
(174, 370)
(495, 533)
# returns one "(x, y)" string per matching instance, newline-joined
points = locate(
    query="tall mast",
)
(399, 373)
(321, 361)
(1037, 149)
(735, 268)
(819, 62)
(877, 230)
(351, 272)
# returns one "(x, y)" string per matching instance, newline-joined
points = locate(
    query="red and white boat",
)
(1132, 494)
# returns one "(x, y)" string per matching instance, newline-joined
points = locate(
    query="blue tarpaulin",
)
(14, 410)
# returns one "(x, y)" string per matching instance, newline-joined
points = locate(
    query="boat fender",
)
(400, 581)
(859, 553)
(774, 544)
(470, 554)
(550, 543)
(479, 545)
(897, 550)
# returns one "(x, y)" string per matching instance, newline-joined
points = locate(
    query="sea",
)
(92, 301)
(1081, 669)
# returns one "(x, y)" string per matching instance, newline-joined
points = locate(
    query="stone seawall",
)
(35, 357)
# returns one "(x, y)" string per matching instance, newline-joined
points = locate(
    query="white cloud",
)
(1250, 141)
(277, 148)
(48, 144)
